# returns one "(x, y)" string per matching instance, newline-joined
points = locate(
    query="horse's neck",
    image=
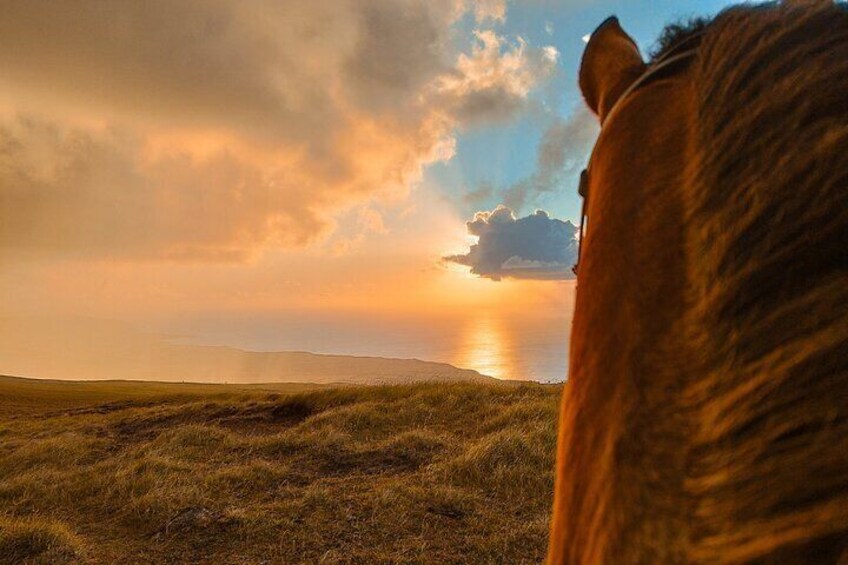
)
(621, 411)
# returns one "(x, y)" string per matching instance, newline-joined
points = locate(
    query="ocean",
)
(517, 346)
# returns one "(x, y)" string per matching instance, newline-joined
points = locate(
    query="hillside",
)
(165, 473)
(101, 350)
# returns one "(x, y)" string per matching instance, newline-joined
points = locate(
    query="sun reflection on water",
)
(486, 347)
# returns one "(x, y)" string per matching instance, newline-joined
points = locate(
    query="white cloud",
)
(494, 80)
(494, 10)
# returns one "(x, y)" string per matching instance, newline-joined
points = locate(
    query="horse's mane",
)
(767, 217)
(677, 33)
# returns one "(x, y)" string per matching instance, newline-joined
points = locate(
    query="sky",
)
(292, 174)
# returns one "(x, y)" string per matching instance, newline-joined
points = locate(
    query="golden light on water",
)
(486, 347)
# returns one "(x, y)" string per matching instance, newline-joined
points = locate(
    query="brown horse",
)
(705, 419)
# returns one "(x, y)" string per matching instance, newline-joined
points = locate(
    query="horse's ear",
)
(611, 63)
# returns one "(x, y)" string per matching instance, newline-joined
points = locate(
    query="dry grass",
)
(432, 473)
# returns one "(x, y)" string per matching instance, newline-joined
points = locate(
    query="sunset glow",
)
(193, 167)
(486, 347)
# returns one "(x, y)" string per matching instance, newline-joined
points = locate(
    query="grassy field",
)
(169, 473)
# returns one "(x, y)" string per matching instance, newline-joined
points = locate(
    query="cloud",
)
(493, 81)
(533, 247)
(79, 193)
(475, 198)
(562, 153)
(211, 130)
(400, 48)
(494, 10)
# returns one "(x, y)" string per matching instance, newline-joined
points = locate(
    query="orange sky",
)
(164, 160)
(394, 271)
(247, 155)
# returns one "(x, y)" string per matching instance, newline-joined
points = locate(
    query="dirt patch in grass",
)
(292, 412)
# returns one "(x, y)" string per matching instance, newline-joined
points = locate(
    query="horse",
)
(705, 416)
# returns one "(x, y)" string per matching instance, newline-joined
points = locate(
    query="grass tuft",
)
(38, 541)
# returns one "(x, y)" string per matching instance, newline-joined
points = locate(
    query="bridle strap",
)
(646, 77)
(663, 64)
(583, 192)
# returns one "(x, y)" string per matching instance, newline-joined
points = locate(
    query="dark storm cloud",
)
(533, 247)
